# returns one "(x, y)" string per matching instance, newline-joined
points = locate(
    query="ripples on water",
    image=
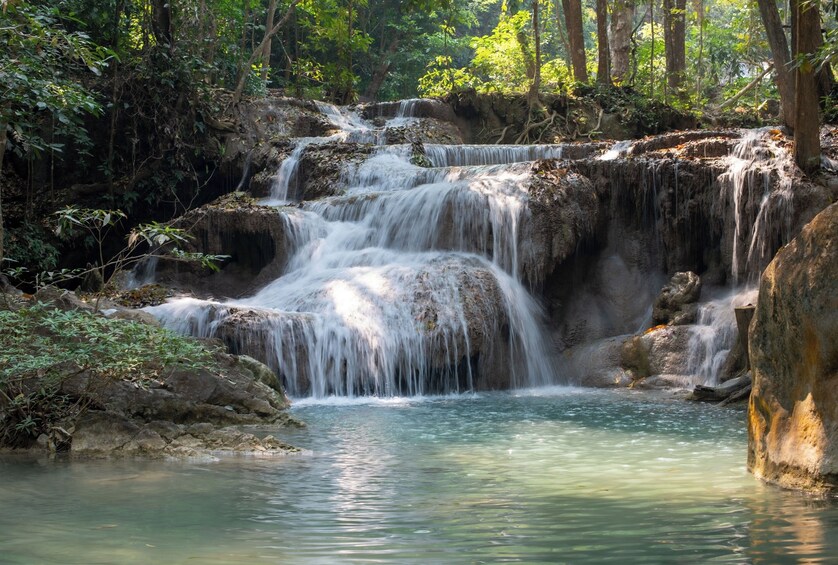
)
(549, 476)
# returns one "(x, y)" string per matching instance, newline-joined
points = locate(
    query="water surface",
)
(545, 476)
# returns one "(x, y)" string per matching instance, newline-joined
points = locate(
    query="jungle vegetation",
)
(119, 93)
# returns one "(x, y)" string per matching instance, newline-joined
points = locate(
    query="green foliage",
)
(159, 239)
(31, 244)
(41, 347)
(40, 63)
(41, 339)
(499, 58)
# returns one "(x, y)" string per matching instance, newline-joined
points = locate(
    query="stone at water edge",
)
(677, 302)
(793, 410)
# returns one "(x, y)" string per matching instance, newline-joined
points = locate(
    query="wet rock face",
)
(677, 302)
(564, 209)
(793, 411)
(323, 166)
(254, 238)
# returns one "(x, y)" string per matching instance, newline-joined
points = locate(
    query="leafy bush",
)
(41, 347)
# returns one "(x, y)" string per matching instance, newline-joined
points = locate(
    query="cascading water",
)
(761, 213)
(407, 284)
(760, 201)
(713, 335)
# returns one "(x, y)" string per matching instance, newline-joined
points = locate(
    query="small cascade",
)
(408, 283)
(619, 149)
(714, 334)
(409, 108)
(351, 127)
(761, 203)
(284, 186)
(471, 155)
(144, 273)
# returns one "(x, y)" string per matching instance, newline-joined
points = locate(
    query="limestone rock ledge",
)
(793, 340)
(188, 413)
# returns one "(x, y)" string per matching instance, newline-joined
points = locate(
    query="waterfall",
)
(466, 155)
(407, 283)
(714, 334)
(761, 202)
(286, 177)
(350, 126)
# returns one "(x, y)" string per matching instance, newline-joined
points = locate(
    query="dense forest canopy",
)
(148, 73)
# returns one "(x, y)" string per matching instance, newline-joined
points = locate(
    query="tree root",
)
(524, 137)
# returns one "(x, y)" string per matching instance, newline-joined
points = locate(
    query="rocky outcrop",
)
(658, 357)
(186, 413)
(793, 411)
(102, 433)
(253, 238)
(563, 209)
(323, 167)
(187, 408)
(677, 302)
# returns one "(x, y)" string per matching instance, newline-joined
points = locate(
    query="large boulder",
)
(793, 341)
(661, 352)
(677, 304)
(182, 414)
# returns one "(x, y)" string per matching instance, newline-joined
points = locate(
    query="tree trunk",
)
(622, 23)
(699, 74)
(750, 86)
(674, 36)
(807, 148)
(161, 22)
(381, 71)
(266, 50)
(780, 53)
(535, 85)
(2, 155)
(603, 69)
(559, 12)
(573, 23)
(257, 52)
(652, 49)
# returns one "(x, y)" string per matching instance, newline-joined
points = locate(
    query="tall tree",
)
(603, 70)
(536, 79)
(674, 39)
(161, 22)
(573, 23)
(560, 25)
(268, 45)
(622, 23)
(806, 31)
(780, 53)
(244, 70)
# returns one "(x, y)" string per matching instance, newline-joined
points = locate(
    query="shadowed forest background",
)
(116, 103)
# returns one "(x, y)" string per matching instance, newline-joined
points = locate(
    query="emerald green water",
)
(550, 476)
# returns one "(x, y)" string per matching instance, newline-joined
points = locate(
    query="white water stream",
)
(409, 282)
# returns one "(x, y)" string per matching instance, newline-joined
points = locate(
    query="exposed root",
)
(524, 137)
(597, 126)
(503, 134)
